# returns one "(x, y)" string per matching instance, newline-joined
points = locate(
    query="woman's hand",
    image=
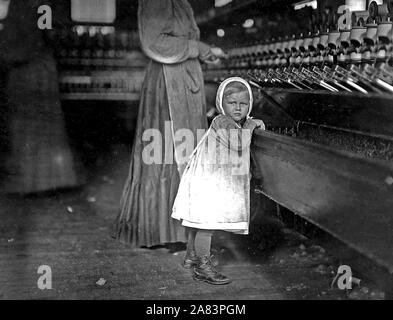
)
(218, 53)
(212, 60)
(211, 55)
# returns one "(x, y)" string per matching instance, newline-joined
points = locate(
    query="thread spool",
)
(333, 39)
(285, 46)
(371, 34)
(323, 41)
(292, 44)
(390, 35)
(299, 42)
(333, 19)
(345, 37)
(376, 10)
(306, 43)
(271, 47)
(278, 47)
(357, 34)
(259, 48)
(265, 48)
(359, 18)
(315, 42)
(383, 30)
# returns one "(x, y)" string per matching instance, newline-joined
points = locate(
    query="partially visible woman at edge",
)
(36, 154)
(173, 90)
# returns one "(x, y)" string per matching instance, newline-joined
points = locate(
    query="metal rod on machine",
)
(318, 81)
(384, 85)
(270, 99)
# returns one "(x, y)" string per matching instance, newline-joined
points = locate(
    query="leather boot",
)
(205, 271)
(190, 260)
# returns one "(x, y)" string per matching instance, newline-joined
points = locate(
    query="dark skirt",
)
(39, 157)
(150, 189)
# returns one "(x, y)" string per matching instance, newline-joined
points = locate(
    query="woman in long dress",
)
(173, 90)
(39, 157)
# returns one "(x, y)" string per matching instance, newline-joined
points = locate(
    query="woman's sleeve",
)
(230, 135)
(155, 22)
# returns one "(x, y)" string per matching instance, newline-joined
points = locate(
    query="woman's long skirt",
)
(150, 189)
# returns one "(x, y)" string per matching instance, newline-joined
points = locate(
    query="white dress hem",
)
(234, 227)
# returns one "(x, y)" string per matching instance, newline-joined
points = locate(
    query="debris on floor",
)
(91, 199)
(101, 282)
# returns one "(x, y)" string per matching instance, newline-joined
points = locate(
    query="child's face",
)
(236, 105)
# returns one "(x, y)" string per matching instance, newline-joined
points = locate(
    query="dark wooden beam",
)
(347, 196)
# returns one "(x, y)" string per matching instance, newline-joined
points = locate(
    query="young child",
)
(214, 191)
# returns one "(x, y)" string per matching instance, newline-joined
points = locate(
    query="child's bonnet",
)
(221, 90)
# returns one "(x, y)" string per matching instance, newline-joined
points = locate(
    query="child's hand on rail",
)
(259, 124)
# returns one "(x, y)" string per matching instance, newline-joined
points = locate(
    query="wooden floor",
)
(70, 232)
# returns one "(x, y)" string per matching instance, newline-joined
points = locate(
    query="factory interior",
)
(72, 74)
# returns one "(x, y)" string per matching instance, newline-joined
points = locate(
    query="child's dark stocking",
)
(191, 233)
(191, 259)
(203, 242)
